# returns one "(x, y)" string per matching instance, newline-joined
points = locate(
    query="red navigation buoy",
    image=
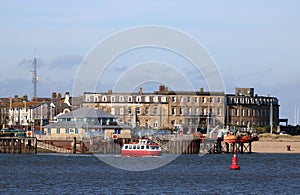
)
(234, 165)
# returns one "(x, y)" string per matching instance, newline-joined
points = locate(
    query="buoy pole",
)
(234, 165)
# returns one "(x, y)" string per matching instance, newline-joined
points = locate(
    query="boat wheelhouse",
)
(144, 147)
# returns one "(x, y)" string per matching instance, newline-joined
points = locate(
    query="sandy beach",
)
(276, 144)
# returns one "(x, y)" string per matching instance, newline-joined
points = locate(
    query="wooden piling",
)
(74, 145)
(18, 145)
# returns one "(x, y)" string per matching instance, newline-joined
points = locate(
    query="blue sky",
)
(254, 43)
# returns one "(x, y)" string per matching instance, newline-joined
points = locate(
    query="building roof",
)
(73, 124)
(87, 113)
(69, 124)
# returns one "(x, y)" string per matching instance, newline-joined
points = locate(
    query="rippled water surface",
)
(187, 174)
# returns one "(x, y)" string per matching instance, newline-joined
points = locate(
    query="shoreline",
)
(278, 146)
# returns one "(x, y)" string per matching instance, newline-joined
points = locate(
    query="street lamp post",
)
(25, 118)
(41, 122)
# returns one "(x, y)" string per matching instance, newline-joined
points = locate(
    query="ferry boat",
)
(143, 148)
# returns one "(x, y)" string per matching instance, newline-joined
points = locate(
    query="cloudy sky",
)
(254, 43)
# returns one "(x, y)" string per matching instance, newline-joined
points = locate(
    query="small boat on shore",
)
(244, 139)
(230, 138)
(144, 147)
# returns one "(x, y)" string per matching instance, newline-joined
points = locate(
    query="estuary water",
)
(186, 174)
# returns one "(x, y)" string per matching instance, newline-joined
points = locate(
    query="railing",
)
(163, 146)
(53, 148)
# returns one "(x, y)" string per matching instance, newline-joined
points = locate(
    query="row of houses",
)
(186, 111)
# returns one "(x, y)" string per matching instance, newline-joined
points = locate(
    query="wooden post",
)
(250, 147)
(35, 146)
(74, 145)
(242, 148)
(227, 147)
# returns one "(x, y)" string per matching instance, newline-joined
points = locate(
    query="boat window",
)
(134, 147)
(126, 146)
(142, 147)
(130, 146)
(147, 147)
(138, 147)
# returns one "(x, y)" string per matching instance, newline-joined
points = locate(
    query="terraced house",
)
(162, 109)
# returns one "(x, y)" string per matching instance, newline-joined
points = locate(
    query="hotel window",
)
(173, 122)
(138, 111)
(104, 99)
(196, 111)
(181, 111)
(49, 130)
(57, 130)
(219, 111)
(147, 111)
(211, 110)
(204, 112)
(147, 99)
(155, 99)
(129, 110)
(155, 111)
(96, 99)
(247, 101)
(163, 99)
(173, 98)
(67, 131)
(87, 98)
(173, 111)
(121, 98)
(230, 112)
(138, 99)
(188, 122)
(181, 99)
(129, 122)
(189, 111)
(155, 124)
(129, 98)
(211, 99)
(219, 100)
(76, 130)
(204, 100)
(122, 111)
(113, 98)
(188, 99)
(113, 111)
(196, 99)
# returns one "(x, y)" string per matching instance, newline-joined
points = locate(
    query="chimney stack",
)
(54, 95)
(163, 88)
(59, 96)
(141, 91)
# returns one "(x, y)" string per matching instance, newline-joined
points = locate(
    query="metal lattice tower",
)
(34, 78)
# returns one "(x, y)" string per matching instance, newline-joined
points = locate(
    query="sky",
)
(253, 43)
